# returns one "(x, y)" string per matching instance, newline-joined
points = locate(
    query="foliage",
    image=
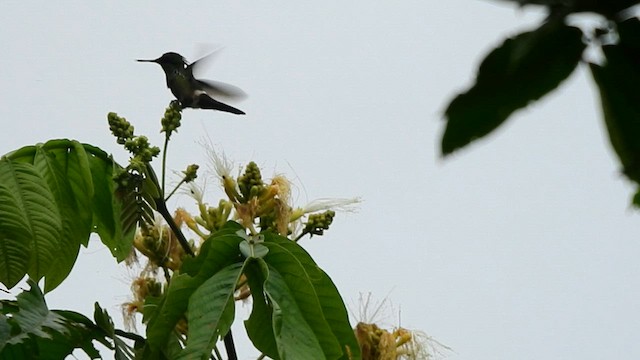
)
(54, 195)
(530, 65)
(29, 330)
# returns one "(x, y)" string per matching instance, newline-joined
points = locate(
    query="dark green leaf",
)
(253, 249)
(82, 332)
(218, 252)
(636, 199)
(5, 330)
(294, 335)
(105, 323)
(618, 83)
(107, 210)
(28, 206)
(300, 278)
(520, 71)
(50, 200)
(15, 239)
(334, 311)
(211, 312)
(34, 316)
(70, 186)
(605, 7)
(38, 333)
(260, 324)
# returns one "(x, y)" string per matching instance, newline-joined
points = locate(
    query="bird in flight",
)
(192, 92)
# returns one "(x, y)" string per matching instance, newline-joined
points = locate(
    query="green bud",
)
(251, 178)
(120, 127)
(191, 173)
(171, 119)
(317, 223)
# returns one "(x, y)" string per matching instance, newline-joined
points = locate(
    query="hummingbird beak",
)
(144, 60)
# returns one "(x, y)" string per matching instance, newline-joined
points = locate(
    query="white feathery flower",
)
(218, 163)
(346, 205)
(196, 191)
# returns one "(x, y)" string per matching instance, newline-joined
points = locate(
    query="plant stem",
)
(130, 336)
(164, 160)
(300, 236)
(174, 190)
(231, 348)
(161, 207)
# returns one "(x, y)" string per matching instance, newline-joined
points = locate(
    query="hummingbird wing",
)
(204, 61)
(220, 90)
(215, 89)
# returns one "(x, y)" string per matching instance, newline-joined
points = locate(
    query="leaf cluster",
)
(52, 197)
(526, 67)
(29, 330)
(297, 311)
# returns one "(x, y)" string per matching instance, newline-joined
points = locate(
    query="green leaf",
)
(107, 210)
(520, 71)
(294, 335)
(170, 309)
(105, 323)
(260, 323)
(34, 316)
(15, 239)
(300, 277)
(5, 330)
(332, 306)
(82, 333)
(218, 252)
(27, 206)
(51, 196)
(636, 199)
(211, 312)
(252, 249)
(618, 83)
(39, 333)
(70, 187)
(606, 8)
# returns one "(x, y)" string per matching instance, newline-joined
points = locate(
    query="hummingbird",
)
(192, 92)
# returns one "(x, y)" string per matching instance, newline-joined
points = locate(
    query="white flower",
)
(346, 205)
(196, 191)
(218, 163)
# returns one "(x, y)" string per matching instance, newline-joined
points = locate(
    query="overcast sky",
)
(521, 246)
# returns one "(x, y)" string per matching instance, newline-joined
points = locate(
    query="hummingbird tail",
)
(204, 101)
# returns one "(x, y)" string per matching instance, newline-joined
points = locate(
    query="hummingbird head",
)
(168, 60)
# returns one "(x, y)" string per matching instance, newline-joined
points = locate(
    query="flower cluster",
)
(261, 205)
(258, 204)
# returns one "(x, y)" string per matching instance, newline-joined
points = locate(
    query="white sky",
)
(522, 246)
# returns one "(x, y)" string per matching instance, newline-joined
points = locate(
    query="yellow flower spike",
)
(246, 213)
(192, 223)
(231, 189)
(282, 212)
(225, 211)
(129, 310)
(296, 214)
(203, 210)
(387, 346)
(403, 336)
(265, 206)
(200, 221)
(282, 186)
(182, 216)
